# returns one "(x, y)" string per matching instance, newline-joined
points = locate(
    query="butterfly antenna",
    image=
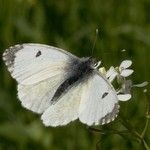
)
(95, 40)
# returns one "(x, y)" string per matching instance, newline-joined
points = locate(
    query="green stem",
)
(128, 126)
(108, 131)
(146, 124)
(145, 128)
(145, 145)
(140, 138)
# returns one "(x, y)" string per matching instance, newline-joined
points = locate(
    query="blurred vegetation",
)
(71, 25)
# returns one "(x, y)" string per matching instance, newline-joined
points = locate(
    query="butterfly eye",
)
(96, 65)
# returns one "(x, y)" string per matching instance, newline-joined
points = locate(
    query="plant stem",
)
(145, 128)
(145, 145)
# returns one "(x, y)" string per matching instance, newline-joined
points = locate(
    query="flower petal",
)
(126, 72)
(141, 84)
(125, 64)
(124, 97)
(102, 70)
(110, 72)
(112, 77)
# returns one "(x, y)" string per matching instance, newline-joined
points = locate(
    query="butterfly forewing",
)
(32, 63)
(39, 70)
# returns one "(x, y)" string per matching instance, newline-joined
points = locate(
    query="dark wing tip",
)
(110, 116)
(9, 55)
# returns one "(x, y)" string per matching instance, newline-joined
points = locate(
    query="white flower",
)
(121, 71)
(123, 68)
(124, 93)
(120, 74)
(102, 70)
(111, 74)
(124, 97)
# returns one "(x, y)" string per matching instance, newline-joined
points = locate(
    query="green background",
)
(71, 25)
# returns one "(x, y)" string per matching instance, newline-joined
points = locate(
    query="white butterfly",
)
(60, 86)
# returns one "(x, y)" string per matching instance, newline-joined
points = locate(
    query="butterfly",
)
(60, 86)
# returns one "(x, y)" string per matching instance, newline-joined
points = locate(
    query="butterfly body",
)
(81, 70)
(51, 80)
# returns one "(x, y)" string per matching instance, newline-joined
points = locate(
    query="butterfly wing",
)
(99, 102)
(93, 101)
(37, 97)
(32, 63)
(66, 108)
(39, 69)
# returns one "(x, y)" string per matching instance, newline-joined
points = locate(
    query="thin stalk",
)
(145, 128)
(145, 145)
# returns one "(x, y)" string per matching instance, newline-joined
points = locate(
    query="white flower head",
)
(121, 71)
(120, 74)
(123, 68)
(102, 70)
(126, 89)
(124, 97)
(111, 74)
(124, 93)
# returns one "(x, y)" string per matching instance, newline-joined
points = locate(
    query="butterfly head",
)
(94, 63)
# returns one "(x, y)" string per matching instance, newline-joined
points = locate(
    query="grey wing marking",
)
(110, 116)
(9, 55)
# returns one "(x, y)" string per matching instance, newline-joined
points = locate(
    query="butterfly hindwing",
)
(66, 109)
(38, 97)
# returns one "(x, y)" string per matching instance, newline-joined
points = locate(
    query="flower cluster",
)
(121, 75)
